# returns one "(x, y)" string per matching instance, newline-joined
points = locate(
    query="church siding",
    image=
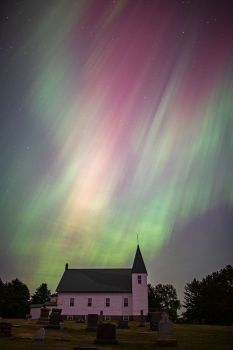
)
(81, 307)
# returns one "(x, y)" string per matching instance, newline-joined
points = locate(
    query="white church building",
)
(115, 293)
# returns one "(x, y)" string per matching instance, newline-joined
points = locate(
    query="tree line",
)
(207, 301)
(211, 299)
(15, 299)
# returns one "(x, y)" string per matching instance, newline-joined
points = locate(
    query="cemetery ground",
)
(189, 337)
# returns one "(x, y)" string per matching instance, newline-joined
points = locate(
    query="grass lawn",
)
(189, 337)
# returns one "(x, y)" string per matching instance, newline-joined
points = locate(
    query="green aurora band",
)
(128, 131)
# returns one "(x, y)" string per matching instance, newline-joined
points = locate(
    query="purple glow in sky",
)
(116, 120)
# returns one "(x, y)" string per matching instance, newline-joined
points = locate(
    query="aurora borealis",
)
(116, 120)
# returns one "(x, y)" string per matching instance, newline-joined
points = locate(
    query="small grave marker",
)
(155, 317)
(5, 329)
(92, 321)
(82, 348)
(106, 334)
(40, 335)
(55, 318)
(142, 319)
(123, 324)
(165, 332)
(101, 318)
(44, 316)
(80, 319)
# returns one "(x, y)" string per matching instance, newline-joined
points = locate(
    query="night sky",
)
(116, 120)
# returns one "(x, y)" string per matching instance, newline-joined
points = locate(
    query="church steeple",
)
(138, 264)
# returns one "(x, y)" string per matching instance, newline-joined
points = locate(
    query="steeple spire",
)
(138, 264)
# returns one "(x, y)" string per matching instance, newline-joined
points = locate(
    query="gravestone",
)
(101, 318)
(142, 319)
(165, 332)
(106, 334)
(80, 319)
(92, 321)
(5, 329)
(155, 317)
(54, 319)
(83, 348)
(123, 324)
(44, 316)
(40, 335)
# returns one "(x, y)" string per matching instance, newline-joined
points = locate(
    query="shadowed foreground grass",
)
(189, 337)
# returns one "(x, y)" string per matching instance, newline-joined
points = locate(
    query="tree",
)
(210, 300)
(151, 298)
(165, 298)
(2, 297)
(15, 298)
(193, 301)
(41, 295)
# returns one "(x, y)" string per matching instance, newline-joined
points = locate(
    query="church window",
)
(139, 279)
(89, 302)
(107, 302)
(71, 301)
(126, 302)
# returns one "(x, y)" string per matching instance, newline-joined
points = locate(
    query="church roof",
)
(95, 281)
(138, 264)
(101, 280)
